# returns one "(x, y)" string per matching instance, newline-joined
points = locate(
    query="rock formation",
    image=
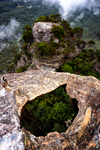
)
(42, 32)
(83, 134)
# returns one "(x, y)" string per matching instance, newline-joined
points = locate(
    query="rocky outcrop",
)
(83, 134)
(42, 32)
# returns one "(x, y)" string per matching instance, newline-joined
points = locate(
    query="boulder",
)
(83, 134)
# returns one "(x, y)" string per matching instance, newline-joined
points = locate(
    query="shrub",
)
(67, 50)
(73, 47)
(53, 18)
(78, 32)
(66, 68)
(54, 44)
(42, 19)
(10, 67)
(78, 42)
(56, 17)
(27, 34)
(58, 31)
(66, 26)
(21, 69)
(91, 43)
(46, 49)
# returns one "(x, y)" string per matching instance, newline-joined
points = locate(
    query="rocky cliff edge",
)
(17, 89)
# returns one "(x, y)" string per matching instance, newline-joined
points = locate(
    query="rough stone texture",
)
(83, 134)
(23, 61)
(42, 31)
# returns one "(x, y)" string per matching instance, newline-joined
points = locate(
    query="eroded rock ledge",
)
(83, 134)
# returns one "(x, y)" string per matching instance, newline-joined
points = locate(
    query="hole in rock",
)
(48, 113)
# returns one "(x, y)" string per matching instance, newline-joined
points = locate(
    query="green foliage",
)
(27, 34)
(59, 113)
(58, 31)
(45, 49)
(52, 110)
(91, 42)
(67, 50)
(78, 32)
(82, 64)
(42, 19)
(90, 24)
(67, 27)
(57, 17)
(78, 42)
(59, 128)
(73, 47)
(66, 68)
(54, 44)
(24, 15)
(21, 69)
(10, 67)
(53, 18)
(20, 11)
(8, 56)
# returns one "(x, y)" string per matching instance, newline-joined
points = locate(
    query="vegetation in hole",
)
(51, 110)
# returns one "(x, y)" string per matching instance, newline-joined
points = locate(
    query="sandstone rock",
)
(42, 31)
(83, 134)
(22, 61)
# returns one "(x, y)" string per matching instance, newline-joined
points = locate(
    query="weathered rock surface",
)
(42, 31)
(83, 134)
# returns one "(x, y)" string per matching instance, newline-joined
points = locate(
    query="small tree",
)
(78, 32)
(58, 31)
(91, 43)
(66, 68)
(27, 34)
